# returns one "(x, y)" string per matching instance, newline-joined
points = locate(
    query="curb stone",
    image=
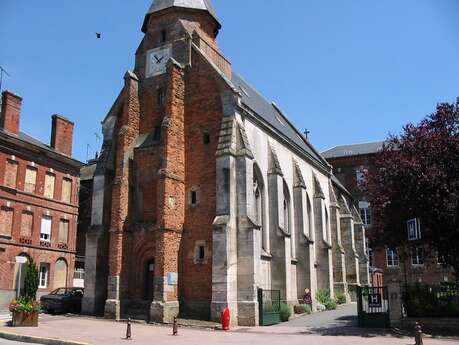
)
(38, 340)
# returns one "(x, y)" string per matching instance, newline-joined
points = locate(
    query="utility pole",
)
(3, 71)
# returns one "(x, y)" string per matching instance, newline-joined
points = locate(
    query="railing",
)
(214, 55)
(431, 301)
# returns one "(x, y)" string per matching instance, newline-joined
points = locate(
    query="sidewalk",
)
(103, 332)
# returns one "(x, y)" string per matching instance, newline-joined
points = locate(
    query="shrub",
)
(340, 298)
(31, 281)
(302, 309)
(285, 312)
(323, 297)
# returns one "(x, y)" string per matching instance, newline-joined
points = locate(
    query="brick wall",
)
(29, 206)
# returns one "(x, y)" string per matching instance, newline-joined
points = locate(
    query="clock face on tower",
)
(157, 60)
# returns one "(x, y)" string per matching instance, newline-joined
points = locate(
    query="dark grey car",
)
(63, 300)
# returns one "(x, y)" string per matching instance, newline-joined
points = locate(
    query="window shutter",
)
(26, 224)
(63, 231)
(6, 221)
(49, 186)
(66, 190)
(30, 180)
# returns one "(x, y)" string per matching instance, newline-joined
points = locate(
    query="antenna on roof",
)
(87, 151)
(3, 71)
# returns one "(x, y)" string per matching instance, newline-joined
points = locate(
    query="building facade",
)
(418, 265)
(205, 192)
(38, 202)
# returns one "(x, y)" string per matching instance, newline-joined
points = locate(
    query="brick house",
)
(205, 192)
(38, 201)
(349, 165)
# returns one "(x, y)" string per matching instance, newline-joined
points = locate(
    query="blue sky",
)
(348, 70)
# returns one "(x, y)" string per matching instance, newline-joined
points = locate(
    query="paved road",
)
(344, 316)
(8, 342)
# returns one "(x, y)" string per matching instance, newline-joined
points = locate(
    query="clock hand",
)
(157, 59)
(162, 58)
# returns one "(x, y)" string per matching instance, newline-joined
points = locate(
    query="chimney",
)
(11, 112)
(62, 135)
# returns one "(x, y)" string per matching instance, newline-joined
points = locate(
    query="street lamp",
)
(20, 260)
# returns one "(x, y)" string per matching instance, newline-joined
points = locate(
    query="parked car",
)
(63, 300)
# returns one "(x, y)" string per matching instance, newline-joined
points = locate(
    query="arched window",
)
(308, 231)
(288, 228)
(326, 226)
(258, 205)
(60, 274)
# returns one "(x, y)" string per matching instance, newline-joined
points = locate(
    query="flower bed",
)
(25, 312)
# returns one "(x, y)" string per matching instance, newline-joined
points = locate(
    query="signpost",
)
(20, 260)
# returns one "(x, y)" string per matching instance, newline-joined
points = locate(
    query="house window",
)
(161, 96)
(417, 256)
(163, 36)
(6, 221)
(30, 180)
(361, 175)
(392, 258)
(26, 224)
(63, 231)
(66, 190)
(50, 180)
(45, 231)
(365, 212)
(414, 229)
(11, 173)
(43, 276)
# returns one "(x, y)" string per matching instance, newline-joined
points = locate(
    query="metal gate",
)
(373, 307)
(269, 306)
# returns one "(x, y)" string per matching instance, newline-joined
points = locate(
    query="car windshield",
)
(61, 291)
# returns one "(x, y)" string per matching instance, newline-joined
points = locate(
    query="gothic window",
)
(258, 205)
(206, 138)
(163, 36)
(326, 226)
(161, 96)
(309, 227)
(287, 220)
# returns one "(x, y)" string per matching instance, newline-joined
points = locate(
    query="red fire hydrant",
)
(226, 319)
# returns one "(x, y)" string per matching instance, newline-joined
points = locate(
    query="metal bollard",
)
(418, 334)
(128, 330)
(175, 327)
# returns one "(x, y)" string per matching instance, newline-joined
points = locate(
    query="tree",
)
(31, 280)
(416, 175)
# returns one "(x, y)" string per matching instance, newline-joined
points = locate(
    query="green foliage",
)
(340, 297)
(302, 309)
(24, 305)
(323, 297)
(285, 312)
(31, 281)
(431, 301)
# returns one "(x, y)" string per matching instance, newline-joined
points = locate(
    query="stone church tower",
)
(204, 191)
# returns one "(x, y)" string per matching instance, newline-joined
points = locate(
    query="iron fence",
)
(431, 300)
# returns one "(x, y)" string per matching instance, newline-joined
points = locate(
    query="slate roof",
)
(87, 172)
(159, 5)
(25, 138)
(271, 114)
(353, 150)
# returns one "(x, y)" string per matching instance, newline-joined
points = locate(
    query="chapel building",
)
(205, 192)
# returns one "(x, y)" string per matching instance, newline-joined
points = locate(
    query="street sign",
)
(375, 300)
(21, 259)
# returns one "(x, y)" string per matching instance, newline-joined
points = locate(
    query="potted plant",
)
(25, 309)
